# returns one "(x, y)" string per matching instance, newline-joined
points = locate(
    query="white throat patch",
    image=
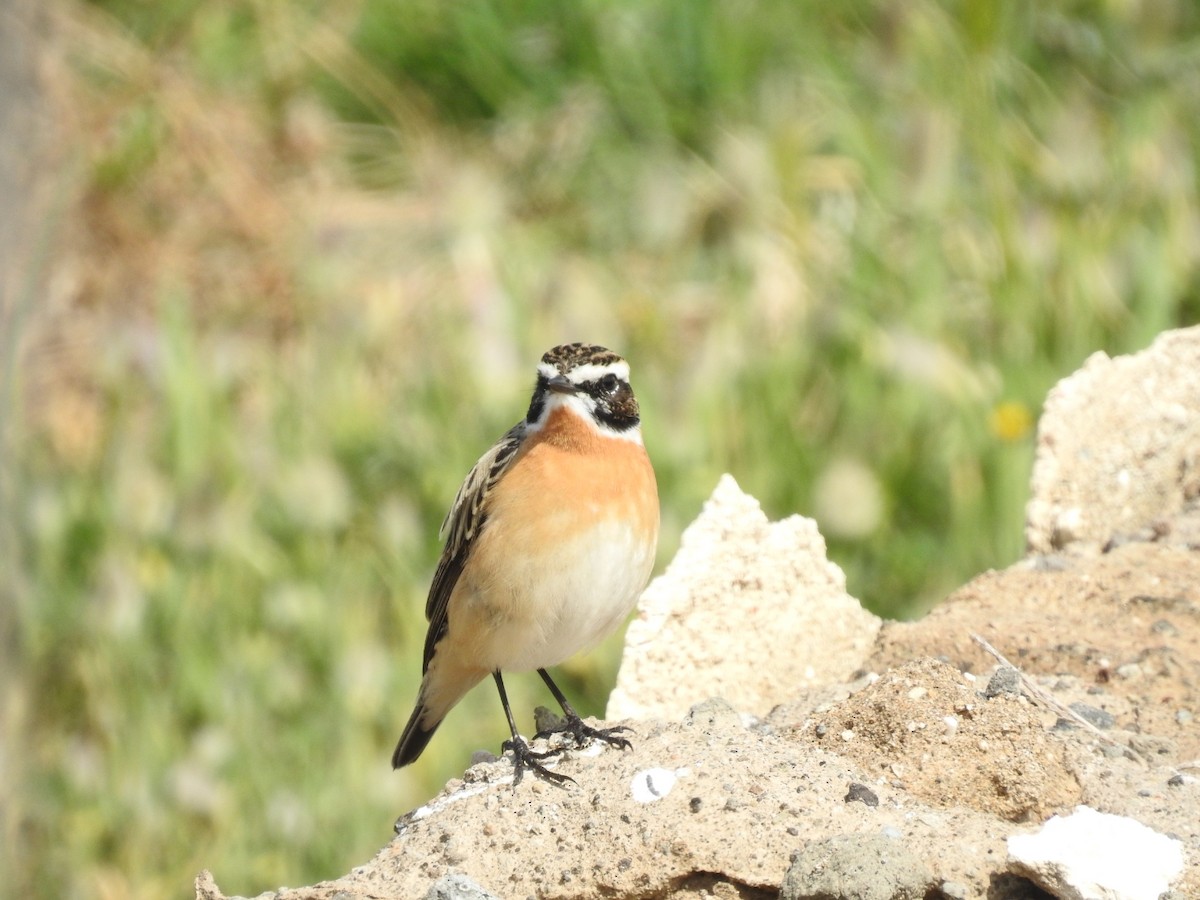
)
(584, 407)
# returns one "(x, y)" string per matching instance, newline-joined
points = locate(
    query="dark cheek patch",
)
(620, 411)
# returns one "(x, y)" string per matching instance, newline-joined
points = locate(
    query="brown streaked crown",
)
(566, 357)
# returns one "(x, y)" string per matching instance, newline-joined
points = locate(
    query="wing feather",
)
(461, 526)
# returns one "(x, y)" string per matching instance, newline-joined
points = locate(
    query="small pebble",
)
(954, 890)
(1129, 671)
(1175, 780)
(917, 693)
(950, 724)
(1101, 718)
(1050, 563)
(1184, 717)
(847, 735)
(456, 885)
(545, 719)
(1005, 680)
(862, 794)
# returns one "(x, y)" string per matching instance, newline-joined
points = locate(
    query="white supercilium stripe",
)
(588, 372)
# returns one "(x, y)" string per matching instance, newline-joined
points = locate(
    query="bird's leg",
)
(523, 757)
(582, 733)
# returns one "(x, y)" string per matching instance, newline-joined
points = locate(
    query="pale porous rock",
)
(856, 867)
(708, 807)
(1092, 856)
(1118, 446)
(703, 807)
(1125, 625)
(925, 709)
(748, 610)
(456, 886)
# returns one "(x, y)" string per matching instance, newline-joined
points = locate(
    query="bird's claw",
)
(526, 759)
(583, 734)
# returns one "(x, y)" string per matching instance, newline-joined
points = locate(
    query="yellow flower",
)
(1010, 420)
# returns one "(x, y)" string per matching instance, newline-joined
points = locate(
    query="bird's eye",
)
(610, 383)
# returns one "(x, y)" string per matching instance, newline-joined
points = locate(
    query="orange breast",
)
(568, 545)
(569, 474)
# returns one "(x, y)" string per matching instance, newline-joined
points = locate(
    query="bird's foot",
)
(528, 760)
(583, 734)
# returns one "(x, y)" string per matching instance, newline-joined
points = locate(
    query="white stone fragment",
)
(1117, 444)
(649, 785)
(1090, 855)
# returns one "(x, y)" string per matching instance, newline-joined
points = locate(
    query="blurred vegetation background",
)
(298, 262)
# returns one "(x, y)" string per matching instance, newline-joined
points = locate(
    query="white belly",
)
(548, 607)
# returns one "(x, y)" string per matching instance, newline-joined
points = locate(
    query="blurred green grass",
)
(315, 250)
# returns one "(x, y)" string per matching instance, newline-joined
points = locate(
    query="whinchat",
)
(549, 542)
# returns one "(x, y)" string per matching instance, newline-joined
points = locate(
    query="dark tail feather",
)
(414, 739)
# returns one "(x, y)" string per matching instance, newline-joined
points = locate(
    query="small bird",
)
(549, 542)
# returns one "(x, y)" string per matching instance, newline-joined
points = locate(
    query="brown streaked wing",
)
(461, 526)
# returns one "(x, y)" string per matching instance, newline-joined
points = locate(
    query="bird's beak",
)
(560, 385)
